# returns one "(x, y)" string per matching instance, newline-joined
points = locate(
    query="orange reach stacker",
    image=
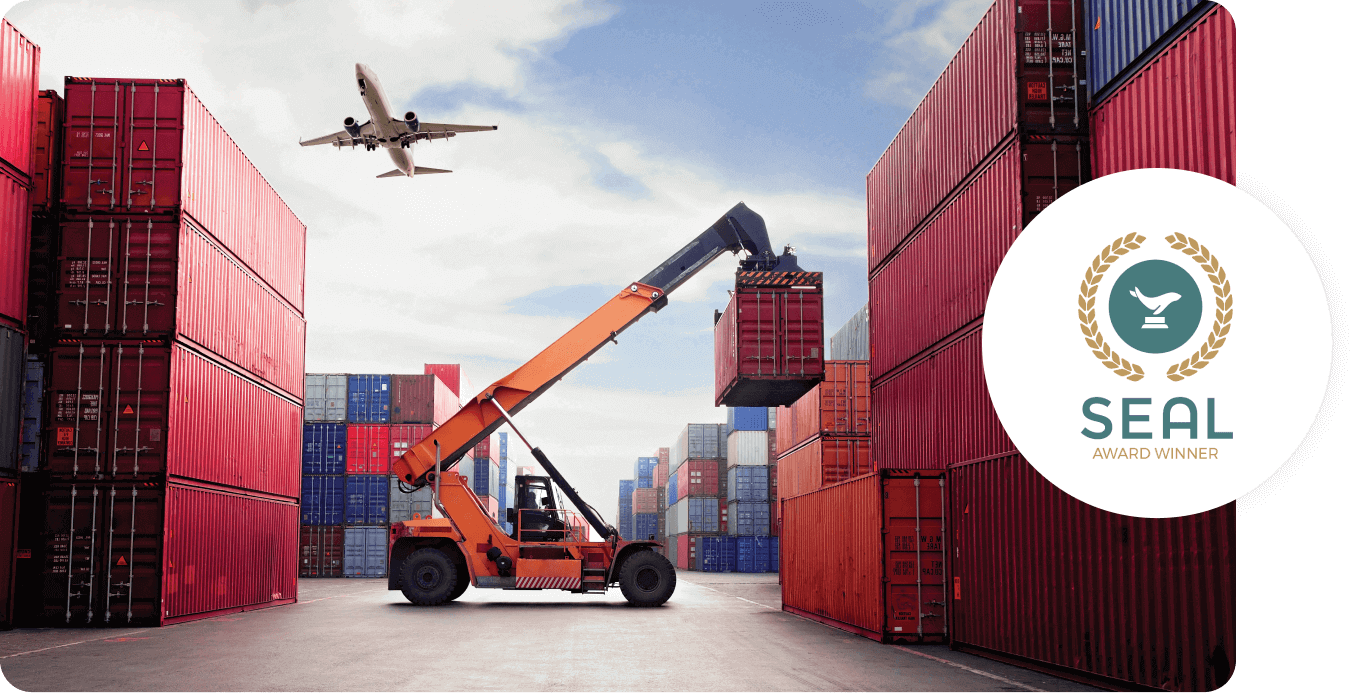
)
(433, 561)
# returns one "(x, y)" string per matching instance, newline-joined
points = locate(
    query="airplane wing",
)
(440, 131)
(343, 138)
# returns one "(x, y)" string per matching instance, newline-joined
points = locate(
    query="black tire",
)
(429, 577)
(647, 579)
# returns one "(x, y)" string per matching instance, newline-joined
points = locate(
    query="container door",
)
(914, 557)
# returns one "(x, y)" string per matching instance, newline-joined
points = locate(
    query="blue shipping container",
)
(645, 466)
(773, 554)
(365, 551)
(322, 500)
(747, 484)
(749, 519)
(31, 426)
(324, 448)
(1120, 34)
(716, 554)
(624, 489)
(647, 526)
(481, 473)
(672, 493)
(367, 499)
(747, 419)
(503, 485)
(753, 554)
(367, 399)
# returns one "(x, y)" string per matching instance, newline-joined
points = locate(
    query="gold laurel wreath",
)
(1224, 306)
(1086, 312)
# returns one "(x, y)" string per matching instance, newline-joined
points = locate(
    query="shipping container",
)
(48, 114)
(481, 475)
(325, 397)
(325, 448)
(1041, 576)
(368, 449)
(838, 406)
(1013, 79)
(768, 344)
(367, 500)
(13, 375)
(851, 341)
(699, 478)
(645, 470)
(15, 219)
(748, 520)
(148, 277)
(868, 556)
(659, 477)
(366, 552)
(133, 410)
(937, 412)
(9, 542)
(404, 436)
(747, 419)
(148, 553)
(645, 500)
(320, 551)
(716, 554)
(1176, 111)
(322, 500)
(421, 399)
(753, 553)
(146, 146)
(406, 505)
(747, 484)
(1120, 34)
(821, 462)
(19, 59)
(672, 491)
(686, 551)
(368, 399)
(40, 321)
(694, 515)
(647, 527)
(696, 442)
(747, 448)
(484, 448)
(31, 409)
(454, 377)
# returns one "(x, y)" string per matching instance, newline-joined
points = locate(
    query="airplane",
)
(384, 130)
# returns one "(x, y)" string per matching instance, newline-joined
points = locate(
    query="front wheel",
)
(647, 579)
(429, 577)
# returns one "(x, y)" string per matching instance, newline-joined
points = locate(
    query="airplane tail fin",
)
(392, 174)
(420, 170)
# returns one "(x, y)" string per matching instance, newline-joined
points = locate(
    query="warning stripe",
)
(538, 582)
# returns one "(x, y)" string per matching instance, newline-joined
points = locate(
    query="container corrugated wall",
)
(1040, 575)
(12, 378)
(227, 551)
(1118, 32)
(940, 281)
(15, 219)
(769, 343)
(832, 555)
(838, 406)
(822, 462)
(966, 114)
(19, 59)
(1178, 111)
(48, 114)
(851, 342)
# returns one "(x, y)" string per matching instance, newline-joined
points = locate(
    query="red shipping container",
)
(404, 436)
(420, 399)
(141, 146)
(48, 114)
(9, 541)
(770, 341)
(868, 556)
(320, 551)
(154, 554)
(698, 478)
(1178, 112)
(368, 449)
(123, 411)
(938, 411)
(839, 406)
(821, 462)
(645, 500)
(14, 249)
(687, 547)
(1041, 576)
(19, 60)
(1014, 76)
(660, 475)
(154, 276)
(484, 447)
(455, 379)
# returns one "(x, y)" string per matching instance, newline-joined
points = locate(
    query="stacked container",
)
(168, 333)
(823, 438)
(505, 483)
(626, 524)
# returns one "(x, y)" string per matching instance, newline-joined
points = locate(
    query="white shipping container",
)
(747, 448)
(697, 442)
(325, 397)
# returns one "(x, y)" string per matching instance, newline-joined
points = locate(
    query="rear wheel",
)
(647, 579)
(429, 577)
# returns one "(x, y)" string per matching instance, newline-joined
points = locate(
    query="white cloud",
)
(919, 38)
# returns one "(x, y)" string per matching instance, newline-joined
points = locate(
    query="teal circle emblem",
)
(1155, 306)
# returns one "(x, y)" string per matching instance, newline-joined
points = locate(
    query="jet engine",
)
(352, 127)
(411, 120)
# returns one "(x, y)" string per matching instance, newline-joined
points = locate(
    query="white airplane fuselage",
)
(388, 130)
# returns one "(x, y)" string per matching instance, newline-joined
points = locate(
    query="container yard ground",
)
(721, 631)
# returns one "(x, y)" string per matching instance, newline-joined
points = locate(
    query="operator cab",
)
(534, 514)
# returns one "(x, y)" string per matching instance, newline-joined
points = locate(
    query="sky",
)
(625, 129)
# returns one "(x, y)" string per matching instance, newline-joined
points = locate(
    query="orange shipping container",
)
(645, 500)
(839, 406)
(823, 461)
(661, 473)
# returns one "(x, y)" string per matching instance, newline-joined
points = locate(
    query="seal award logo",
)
(1163, 406)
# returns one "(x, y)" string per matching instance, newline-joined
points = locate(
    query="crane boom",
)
(739, 229)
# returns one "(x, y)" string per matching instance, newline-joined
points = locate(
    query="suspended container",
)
(769, 342)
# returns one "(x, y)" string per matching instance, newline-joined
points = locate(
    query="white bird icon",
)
(1157, 303)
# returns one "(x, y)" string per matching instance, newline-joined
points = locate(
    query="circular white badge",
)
(1156, 343)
